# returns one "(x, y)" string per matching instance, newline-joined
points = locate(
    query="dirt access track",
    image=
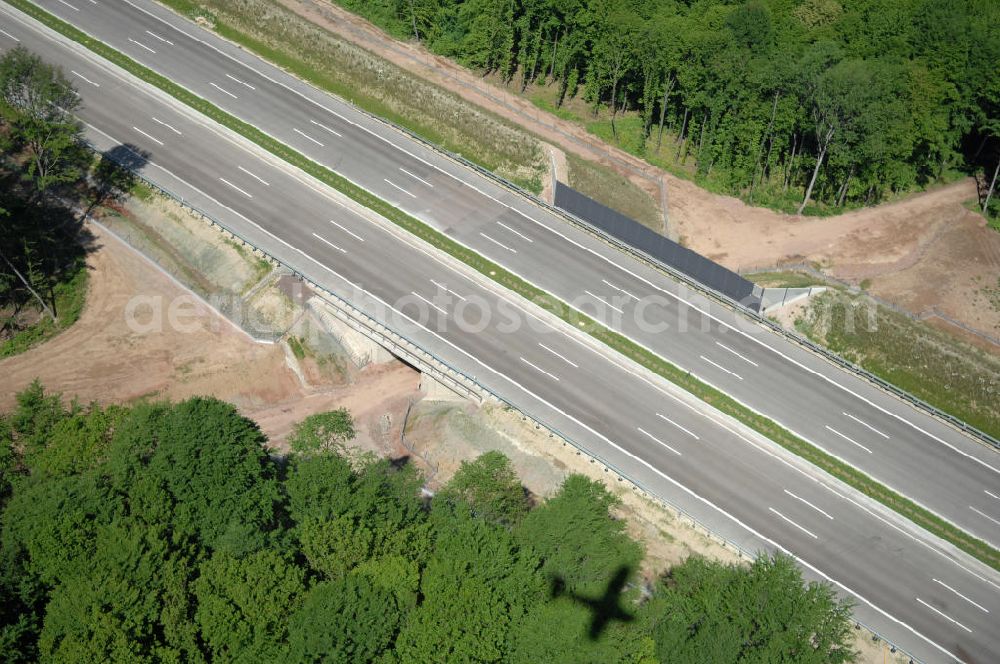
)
(103, 358)
(926, 253)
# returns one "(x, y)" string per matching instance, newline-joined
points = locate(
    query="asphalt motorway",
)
(934, 602)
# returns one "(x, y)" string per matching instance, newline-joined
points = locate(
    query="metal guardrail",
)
(721, 298)
(375, 328)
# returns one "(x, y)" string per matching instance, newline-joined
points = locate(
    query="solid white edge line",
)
(560, 356)
(657, 440)
(255, 177)
(806, 531)
(687, 431)
(803, 500)
(850, 440)
(245, 193)
(322, 239)
(865, 424)
(943, 615)
(147, 135)
(975, 604)
(538, 368)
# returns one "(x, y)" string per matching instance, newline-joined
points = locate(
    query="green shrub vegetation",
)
(160, 532)
(802, 105)
(846, 473)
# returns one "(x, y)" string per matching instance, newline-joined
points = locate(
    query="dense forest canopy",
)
(161, 532)
(839, 101)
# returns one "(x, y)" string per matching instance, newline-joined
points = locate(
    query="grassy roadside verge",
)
(618, 342)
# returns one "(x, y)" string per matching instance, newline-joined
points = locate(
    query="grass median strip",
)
(842, 471)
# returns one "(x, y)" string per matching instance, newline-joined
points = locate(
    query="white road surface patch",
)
(161, 122)
(255, 177)
(803, 500)
(560, 356)
(429, 302)
(602, 300)
(323, 239)
(687, 431)
(223, 90)
(447, 290)
(305, 135)
(742, 357)
(866, 425)
(327, 129)
(516, 232)
(722, 368)
(351, 233)
(393, 184)
(538, 368)
(81, 76)
(243, 83)
(156, 36)
(946, 617)
(620, 290)
(242, 191)
(498, 243)
(807, 532)
(657, 440)
(147, 135)
(975, 604)
(984, 514)
(138, 43)
(415, 177)
(850, 440)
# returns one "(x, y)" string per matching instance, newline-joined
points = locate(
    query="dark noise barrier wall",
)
(639, 237)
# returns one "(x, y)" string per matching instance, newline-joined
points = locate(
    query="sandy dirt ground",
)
(105, 359)
(924, 252)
